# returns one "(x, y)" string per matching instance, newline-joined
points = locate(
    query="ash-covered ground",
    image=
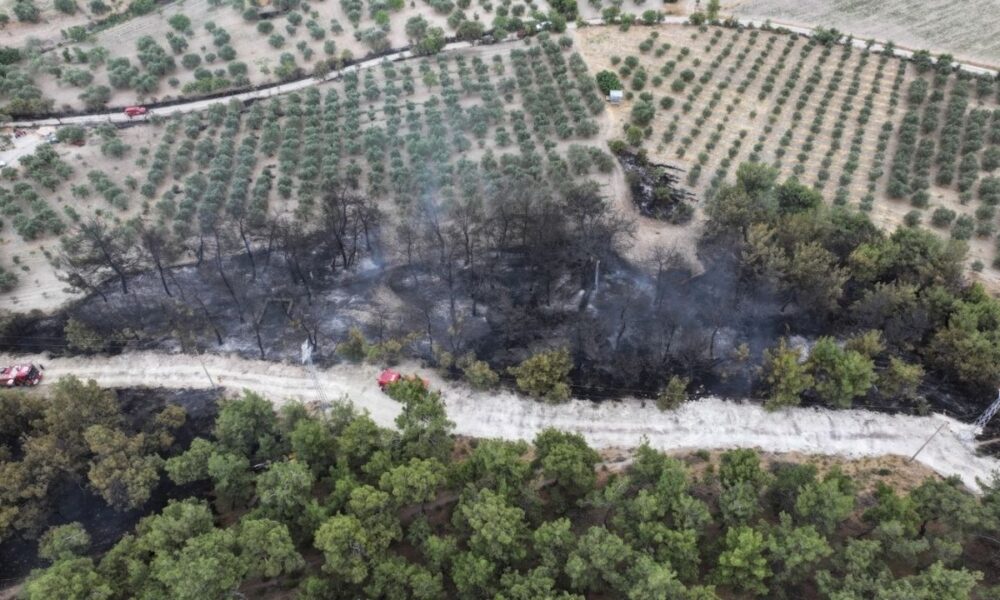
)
(628, 327)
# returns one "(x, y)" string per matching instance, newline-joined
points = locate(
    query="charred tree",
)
(347, 226)
(221, 268)
(158, 247)
(95, 251)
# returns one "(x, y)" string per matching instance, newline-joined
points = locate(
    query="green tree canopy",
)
(840, 375)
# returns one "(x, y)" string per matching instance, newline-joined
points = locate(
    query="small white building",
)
(616, 96)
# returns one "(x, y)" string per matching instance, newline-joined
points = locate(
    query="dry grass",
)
(867, 472)
(961, 28)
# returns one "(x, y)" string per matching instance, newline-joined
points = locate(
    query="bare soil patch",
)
(960, 28)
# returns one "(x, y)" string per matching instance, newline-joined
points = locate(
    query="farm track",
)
(707, 423)
(275, 90)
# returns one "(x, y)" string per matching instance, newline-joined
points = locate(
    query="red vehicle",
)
(20, 375)
(135, 111)
(389, 376)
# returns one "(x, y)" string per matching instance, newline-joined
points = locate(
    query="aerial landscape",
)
(499, 299)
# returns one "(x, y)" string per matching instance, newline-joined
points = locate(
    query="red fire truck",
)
(20, 375)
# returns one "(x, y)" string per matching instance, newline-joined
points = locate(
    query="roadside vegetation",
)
(336, 507)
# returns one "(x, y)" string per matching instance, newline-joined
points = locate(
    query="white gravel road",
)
(708, 423)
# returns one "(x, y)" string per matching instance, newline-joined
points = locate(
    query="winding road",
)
(300, 84)
(708, 423)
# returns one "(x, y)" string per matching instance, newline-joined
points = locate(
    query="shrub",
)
(265, 27)
(77, 77)
(642, 112)
(8, 280)
(942, 217)
(152, 56)
(639, 79)
(96, 97)
(26, 11)
(470, 30)
(673, 394)
(180, 22)
(989, 190)
(374, 37)
(142, 7)
(114, 148)
(634, 135)
(191, 61)
(991, 158)
(478, 373)
(607, 81)
(80, 336)
(545, 375)
(71, 133)
(65, 6)
(963, 228)
(354, 348)
(237, 69)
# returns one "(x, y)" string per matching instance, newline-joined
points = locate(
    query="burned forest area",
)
(526, 269)
(535, 272)
(453, 300)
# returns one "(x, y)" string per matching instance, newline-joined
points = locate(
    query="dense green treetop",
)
(406, 514)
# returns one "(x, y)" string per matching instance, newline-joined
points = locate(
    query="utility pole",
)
(987, 415)
(205, 368)
(924, 445)
(307, 351)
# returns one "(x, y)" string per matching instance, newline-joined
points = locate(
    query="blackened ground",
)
(73, 500)
(655, 189)
(629, 328)
(34, 332)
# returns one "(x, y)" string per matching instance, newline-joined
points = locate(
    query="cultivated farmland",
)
(907, 142)
(445, 126)
(147, 53)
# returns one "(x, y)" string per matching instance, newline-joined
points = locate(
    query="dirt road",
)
(708, 423)
(196, 105)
